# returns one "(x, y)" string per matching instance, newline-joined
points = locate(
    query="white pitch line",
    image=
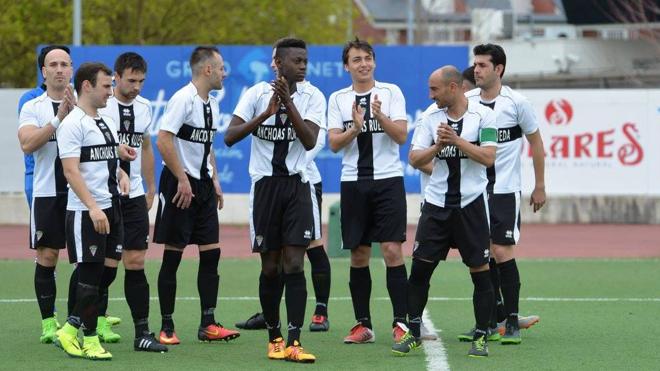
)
(382, 298)
(436, 354)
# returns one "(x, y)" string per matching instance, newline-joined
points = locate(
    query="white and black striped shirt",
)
(194, 123)
(94, 141)
(133, 120)
(49, 177)
(456, 180)
(276, 149)
(373, 154)
(515, 117)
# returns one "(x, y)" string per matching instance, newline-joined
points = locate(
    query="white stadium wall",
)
(602, 162)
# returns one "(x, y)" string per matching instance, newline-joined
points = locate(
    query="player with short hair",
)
(515, 118)
(90, 151)
(132, 113)
(190, 194)
(367, 121)
(460, 139)
(38, 121)
(284, 118)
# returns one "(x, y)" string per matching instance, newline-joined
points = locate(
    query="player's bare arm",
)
(184, 194)
(397, 130)
(537, 200)
(77, 184)
(305, 130)
(483, 155)
(239, 129)
(338, 139)
(216, 183)
(147, 164)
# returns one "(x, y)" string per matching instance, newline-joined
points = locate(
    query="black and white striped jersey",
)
(276, 149)
(515, 117)
(456, 180)
(423, 177)
(373, 154)
(194, 123)
(94, 141)
(133, 121)
(49, 177)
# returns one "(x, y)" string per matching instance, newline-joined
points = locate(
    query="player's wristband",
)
(55, 122)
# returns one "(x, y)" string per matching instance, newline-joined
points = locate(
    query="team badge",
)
(260, 240)
(92, 249)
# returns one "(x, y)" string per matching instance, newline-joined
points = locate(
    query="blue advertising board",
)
(169, 70)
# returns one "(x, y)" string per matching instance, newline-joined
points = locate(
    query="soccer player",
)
(90, 151)
(190, 194)
(284, 118)
(38, 120)
(132, 113)
(515, 117)
(368, 122)
(318, 258)
(461, 138)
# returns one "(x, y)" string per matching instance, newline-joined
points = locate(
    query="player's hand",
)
(447, 135)
(218, 194)
(358, 117)
(273, 105)
(184, 195)
(67, 103)
(127, 153)
(150, 199)
(124, 184)
(281, 88)
(375, 108)
(100, 220)
(538, 198)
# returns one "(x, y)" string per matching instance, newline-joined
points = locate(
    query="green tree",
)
(28, 23)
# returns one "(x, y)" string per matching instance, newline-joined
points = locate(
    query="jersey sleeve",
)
(69, 139)
(316, 110)
(398, 105)
(527, 117)
(488, 128)
(28, 116)
(247, 105)
(175, 114)
(334, 114)
(320, 143)
(422, 136)
(149, 117)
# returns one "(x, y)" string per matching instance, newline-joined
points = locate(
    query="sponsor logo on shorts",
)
(486, 253)
(416, 245)
(308, 234)
(119, 248)
(92, 249)
(260, 240)
(508, 234)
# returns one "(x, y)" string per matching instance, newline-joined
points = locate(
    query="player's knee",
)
(47, 257)
(293, 264)
(502, 253)
(480, 268)
(112, 263)
(392, 253)
(133, 259)
(360, 256)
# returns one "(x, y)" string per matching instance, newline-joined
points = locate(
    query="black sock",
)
(397, 287)
(270, 295)
(498, 314)
(483, 299)
(108, 277)
(87, 294)
(320, 263)
(136, 289)
(510, 286)
(418, 293)
(73, 286)
(360, 285)
(46, 290)
(208, 281)
(296, 300)
(167, 286)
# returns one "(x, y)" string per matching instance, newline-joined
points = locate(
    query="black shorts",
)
(317, 199)
(373, 211)
(198, 224)
(504, 218)
(136, 223)
(280, 213)
(47, 227)
(467, 229)
(85, 245)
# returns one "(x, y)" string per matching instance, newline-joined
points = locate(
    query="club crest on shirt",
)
(283, 118)
(127, 124)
